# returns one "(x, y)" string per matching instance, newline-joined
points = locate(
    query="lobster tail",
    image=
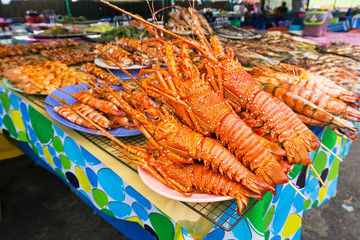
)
(256, 184)
(271, 171)
(213, 182)
(219, 158)
(295, 137)
(242, 202)
(247, 147)
(352, 114)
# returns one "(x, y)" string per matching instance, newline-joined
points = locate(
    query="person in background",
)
(267, 9)
(282, 10)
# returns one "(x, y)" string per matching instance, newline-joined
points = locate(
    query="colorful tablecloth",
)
(142, 214)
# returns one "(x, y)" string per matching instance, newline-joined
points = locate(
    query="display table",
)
(89, 166)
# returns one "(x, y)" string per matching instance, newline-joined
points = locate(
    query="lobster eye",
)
(156, 118)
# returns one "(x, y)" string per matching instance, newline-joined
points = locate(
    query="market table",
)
(89, 165)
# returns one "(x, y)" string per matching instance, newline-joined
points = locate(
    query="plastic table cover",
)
(119, 196)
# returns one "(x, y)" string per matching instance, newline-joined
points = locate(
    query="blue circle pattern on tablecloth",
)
(311, 185)
(279, 189)
(332, 187)
(51, 151)
(92, 177)
(140, 211)
(90, 159)
(277, 237)
(138, 197)
(57, 163)
(39, 148)
(73, 152)
(24, 112)
(242, 230)
(298, 203)
(58, 131)
(282, 209)
(32, 135)
(120, 209)
(215, 235)
(14, 100)
(108, 179)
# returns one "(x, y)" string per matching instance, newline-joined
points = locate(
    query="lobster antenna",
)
(163, 30)
(140, 19)
(326, 148)
(317, 175)
(298, 191)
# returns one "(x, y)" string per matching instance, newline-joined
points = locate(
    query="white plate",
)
(99, 62)
(165, 191)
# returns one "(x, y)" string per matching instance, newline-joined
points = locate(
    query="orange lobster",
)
(182, 144)
(193, 176)
(279, 120)
(193, 100)
(237, 86)
(184, 178)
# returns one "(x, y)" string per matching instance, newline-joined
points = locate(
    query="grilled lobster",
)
(210, 114)
(180, 143)
(238, 86)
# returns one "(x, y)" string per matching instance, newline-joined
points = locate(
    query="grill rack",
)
(222, 214)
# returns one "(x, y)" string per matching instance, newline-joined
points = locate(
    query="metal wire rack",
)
(222, 214)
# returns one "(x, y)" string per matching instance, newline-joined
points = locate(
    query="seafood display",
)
(220, 116)
(323, 89)
(101, 74)
(185, 144)
(93, 110)
(342, 49)
(234, 32)
(128, 52)
(15, 61)
(69, 56)
(185, 21)
(172, 158)
(12, 50)
(209, 95)
(19, 49)
(213, 115)
(44, 77)
(87, 111)
(35, 47)
(343, 71)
